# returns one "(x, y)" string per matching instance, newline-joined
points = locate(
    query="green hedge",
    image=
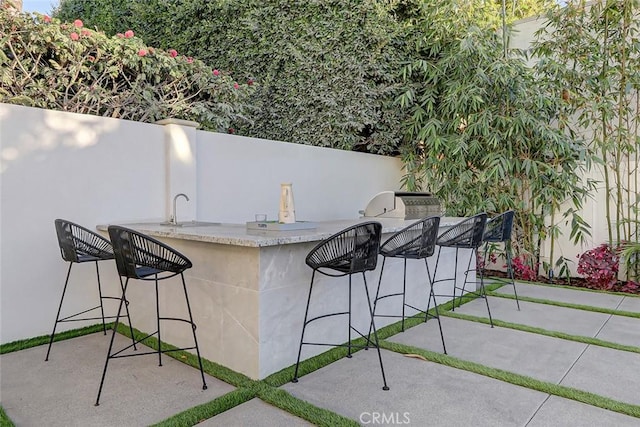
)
(66, 66)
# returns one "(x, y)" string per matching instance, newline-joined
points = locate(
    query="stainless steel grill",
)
(404, 205)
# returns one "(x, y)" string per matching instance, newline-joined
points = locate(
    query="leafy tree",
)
(480, 133)
(589, 57)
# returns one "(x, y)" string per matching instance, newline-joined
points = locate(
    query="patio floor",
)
(61, 392)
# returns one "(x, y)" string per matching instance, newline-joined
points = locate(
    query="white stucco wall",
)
(93, 170)
(238, 177)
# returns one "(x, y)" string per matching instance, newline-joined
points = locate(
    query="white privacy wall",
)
(86, 169)
(94, 170)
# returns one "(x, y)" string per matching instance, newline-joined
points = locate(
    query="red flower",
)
(173, 53)
(120, 35)
(47, 19)
(189, 60)
(232, 130)
(249, 82)
(216, 72)
(236, 85)
(74, 36)
(78, 23)
(86, 33)
(142, 52)
(128, 34)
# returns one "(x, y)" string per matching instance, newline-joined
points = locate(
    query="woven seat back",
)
(415, 241)
(76, 241)
(133, 250)
(465, 234)
(499, 228)
(352, 250)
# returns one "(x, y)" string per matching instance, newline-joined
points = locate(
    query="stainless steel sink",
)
(190, 224)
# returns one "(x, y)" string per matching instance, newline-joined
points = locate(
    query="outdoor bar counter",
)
(248, 291)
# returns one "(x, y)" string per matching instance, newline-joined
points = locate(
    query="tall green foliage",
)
(480, 135)
(591, 59)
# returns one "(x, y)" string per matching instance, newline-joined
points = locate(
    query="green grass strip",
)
(5, 421)
(305, 410)
(570, 305)
(520, 380)
(540, 331)
(44, 339)
(197, 414)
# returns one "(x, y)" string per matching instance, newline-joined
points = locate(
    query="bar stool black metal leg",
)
(304, 326)
(349, 314)
(432, 281)
(375, 333)
(483, 293)
(473, 255)
(113, 336)
(158, 323)
(193, 328)
(435, 303)
(455, 281)
(507, 247)
(375, 301)
(104, 325)
(435, 307)
(55, 324)
(126, 307)
(404, 291)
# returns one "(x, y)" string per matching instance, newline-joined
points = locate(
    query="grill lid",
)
(404, 205)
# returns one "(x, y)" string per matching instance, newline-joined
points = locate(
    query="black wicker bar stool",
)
(350, 251)
(499, 231)
(139, 256)
(467, 234)
(416, 241)
(79, 245)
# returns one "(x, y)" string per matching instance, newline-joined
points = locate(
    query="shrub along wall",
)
(67, 66)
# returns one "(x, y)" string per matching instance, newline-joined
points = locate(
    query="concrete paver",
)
(557, 411)
(630, 303)
(62, 391)
(426, 393)
(137, 392)
(621, 330)
(524, 353)
(254, 413)
(607, 372)
(545, 316)
(573, 296)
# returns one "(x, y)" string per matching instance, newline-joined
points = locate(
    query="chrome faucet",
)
(174, 216)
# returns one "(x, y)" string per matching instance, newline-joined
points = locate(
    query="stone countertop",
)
(238, 235)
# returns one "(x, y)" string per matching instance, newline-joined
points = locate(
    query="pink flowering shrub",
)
(522, 270)
(599, 266)
(75, 69)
